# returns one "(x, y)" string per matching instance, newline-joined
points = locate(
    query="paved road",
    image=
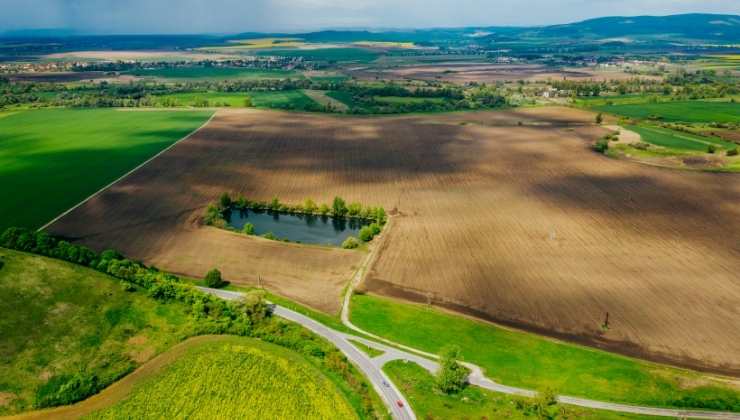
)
(372, 368)
(382, 384)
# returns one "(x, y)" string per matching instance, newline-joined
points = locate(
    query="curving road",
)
(372, 367)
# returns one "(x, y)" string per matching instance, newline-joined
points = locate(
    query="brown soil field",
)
(484, 73)
(506, 215)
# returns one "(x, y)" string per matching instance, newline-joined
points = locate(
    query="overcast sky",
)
(228, 16)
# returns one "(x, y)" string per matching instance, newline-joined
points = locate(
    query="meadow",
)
(679, 140)
(258, 380)
(58, 157)
(676, 111)
(64, 324)
(418, 386)
(214, 73)
(530, 361)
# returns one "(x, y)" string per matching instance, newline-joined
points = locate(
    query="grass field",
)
(51, 159)
(679, 111)
(215, 99)
(288, 99)
(62, 322)
(234, 378)
(678, 140)
(418, 387)
(222, 73)
(527, 360)
(361, 55)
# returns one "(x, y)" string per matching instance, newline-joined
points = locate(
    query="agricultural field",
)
(419, 387)
(214, 73)
(680, 141)
(679, 111)
(286, 99)
(568, 226)
(527, 360)
(62, 323)
(58, 157)
(234, 378)
(340, 54)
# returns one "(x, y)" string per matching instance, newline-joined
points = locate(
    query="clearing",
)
(506, 215)
(51, 159)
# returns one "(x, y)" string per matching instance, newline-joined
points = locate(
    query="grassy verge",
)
(259, 379)
(477, 403)
(370, 351)
(64, 155)
(529, 361)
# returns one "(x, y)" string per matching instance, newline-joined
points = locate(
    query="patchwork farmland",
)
(508, 216)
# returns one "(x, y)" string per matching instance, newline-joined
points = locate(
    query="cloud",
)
(222, 16)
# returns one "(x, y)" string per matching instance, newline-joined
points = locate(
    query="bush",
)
(711, 149)
(366, 234)
(225, 201)
(269, 235)
(339, 207)
(248, 229)
(599, 118)
(213, 279)
(375, 228)
(66, 389)
(452, 376)
(2, 264)
(350, 243)
(732, 152)
(602, 145)
(324, 210)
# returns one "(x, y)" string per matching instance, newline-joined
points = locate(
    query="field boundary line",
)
(93, 195)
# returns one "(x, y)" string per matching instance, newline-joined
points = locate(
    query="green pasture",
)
(678, 111)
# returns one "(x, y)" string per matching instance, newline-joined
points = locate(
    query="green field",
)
(393, 100)
(51, 159)
(419, 389)
(218, 73)
(361, 55)
(287, 99)
(678, 140)
(63, 324)
(214, 99)
(678, 111)
(235, 378)
(529, 361)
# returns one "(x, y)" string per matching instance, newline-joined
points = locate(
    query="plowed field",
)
(505, 215)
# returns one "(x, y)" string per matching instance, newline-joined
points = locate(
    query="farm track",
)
(508, 216)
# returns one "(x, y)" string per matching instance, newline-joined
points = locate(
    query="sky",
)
(231, 16)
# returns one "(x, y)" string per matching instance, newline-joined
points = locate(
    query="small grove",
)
(250, 317)
(218, 212)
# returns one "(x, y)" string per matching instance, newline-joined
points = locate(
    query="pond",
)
(307, 229)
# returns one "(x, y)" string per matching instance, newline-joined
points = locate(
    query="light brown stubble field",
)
(523, 225)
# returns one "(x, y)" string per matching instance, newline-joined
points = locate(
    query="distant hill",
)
(688, 26)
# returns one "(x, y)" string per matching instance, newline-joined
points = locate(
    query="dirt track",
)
(520, 224)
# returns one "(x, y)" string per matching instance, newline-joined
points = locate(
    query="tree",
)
(254, 306)
(602, 145)
(354, 209)
(213, 279)
(366, 234)
(452, 376)
(324, 210)
(339, 207)
(225, 201)
(248, 229)
(599, 118)
(309, 206)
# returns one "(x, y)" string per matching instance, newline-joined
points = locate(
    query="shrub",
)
(375, 228)
(309, 206)
(66, 389)
(350, 243)
(599, 118)
(213, 279)
(270, 235)
(366, 234)
(2, 264)
(602, 145)
(324, 210)
(452, 376)
(248, 229)
(354, 209)
(711, 149)
(732, 152)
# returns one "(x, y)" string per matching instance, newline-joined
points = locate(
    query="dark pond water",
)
(298, 227)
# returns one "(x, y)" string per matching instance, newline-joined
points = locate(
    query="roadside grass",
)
(418, 386)
(61, 320)
(370, 351)
(257, 379)
(678, 111)
(529, 361)
(349, 54)
(678, 140)
(216, 73)
(64, 155)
